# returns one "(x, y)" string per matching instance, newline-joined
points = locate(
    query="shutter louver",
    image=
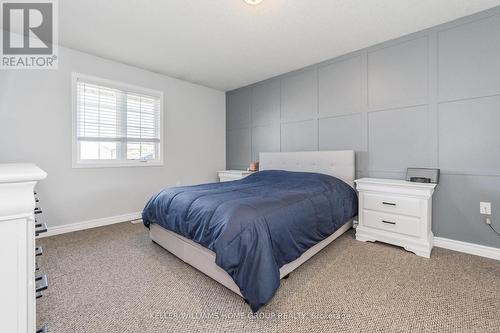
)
(115, 124)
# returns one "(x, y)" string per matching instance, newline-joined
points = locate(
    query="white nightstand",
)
(228, 175)
(396, 212)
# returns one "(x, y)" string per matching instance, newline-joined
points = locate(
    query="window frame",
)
(79, 163)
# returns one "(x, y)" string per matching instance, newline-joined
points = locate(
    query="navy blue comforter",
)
(257, 224)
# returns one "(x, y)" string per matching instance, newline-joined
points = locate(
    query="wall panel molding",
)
(429, 99)
(299, 96)
(467, 55)
(340, 87)
(398, 74)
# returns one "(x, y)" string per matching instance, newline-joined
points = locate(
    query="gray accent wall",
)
(430, 99)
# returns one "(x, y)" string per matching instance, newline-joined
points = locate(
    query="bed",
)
(250, 233)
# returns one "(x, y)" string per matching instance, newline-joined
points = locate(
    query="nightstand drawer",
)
(390, 222)
(228, 178)
(392, 204)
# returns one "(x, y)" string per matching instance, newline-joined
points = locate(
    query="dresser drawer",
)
(392, 204)
(390, 222)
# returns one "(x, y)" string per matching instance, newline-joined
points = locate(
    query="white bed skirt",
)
(204, 260)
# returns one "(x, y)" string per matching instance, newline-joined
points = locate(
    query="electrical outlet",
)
(485, 208)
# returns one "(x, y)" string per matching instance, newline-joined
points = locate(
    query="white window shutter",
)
(116, 125)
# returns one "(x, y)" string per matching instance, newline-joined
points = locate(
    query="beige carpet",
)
(114, 279)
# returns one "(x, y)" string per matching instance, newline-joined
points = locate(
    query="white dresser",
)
(17, 247)
(228, 175)
(396, 212)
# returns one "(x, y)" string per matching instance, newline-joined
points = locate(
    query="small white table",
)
(228, 175)
(396, 212)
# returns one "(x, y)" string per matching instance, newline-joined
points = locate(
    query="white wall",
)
(35, 126)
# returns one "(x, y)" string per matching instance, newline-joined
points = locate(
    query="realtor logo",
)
(29, 35)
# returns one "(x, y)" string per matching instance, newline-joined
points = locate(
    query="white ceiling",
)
(226, 44)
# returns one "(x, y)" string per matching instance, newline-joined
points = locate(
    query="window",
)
(115, 124)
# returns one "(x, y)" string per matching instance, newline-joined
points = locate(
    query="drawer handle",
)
(40, 228)
(388, 203)
(38, 210)
(388, 222)
(42, 329)
(38, 251)
(41, 283)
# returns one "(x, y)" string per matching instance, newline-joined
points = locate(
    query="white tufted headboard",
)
(338, 163)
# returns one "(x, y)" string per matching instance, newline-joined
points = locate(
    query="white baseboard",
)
(470, 248)
(445, 243)
(62, 229)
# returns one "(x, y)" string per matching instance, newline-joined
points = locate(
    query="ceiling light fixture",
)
(253, 2)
